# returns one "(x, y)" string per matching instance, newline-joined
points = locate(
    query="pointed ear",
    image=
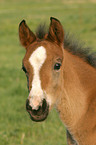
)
(25, 34)
(56, 32)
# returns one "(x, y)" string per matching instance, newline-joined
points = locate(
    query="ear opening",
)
(25, 34)
(56, 32)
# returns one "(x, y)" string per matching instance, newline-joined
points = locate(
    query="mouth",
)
(40, 114)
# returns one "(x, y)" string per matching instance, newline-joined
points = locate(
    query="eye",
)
(24, 69)
(57, 66)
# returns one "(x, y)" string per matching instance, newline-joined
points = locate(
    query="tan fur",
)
(78, 104)
(72, 89)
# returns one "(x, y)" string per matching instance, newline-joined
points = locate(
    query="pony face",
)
(42, 65)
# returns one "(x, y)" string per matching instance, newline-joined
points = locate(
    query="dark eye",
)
(57, 66)
(24, 69)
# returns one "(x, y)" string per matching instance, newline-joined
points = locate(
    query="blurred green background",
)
(77, 16)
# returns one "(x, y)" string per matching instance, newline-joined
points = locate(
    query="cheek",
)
(50, 80)
(56, 85)
(56, 79)
(45, 78)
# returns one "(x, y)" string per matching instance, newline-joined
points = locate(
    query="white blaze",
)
(36, 60)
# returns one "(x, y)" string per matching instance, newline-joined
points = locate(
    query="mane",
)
(41, 31)
(72, 45)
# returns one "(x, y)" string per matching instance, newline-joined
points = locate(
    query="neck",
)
(79, 78)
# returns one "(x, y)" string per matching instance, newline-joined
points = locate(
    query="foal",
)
(61, 75)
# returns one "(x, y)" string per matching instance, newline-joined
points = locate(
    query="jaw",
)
(40, 114)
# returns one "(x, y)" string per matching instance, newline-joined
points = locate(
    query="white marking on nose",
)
(36, 60)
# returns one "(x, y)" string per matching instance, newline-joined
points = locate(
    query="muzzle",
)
(39, 114)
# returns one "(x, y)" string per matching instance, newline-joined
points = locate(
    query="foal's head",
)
(42, 65)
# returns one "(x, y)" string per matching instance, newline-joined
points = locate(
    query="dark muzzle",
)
(40, 114)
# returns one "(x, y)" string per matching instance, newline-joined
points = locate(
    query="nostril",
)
(28, 107)
(44, 104)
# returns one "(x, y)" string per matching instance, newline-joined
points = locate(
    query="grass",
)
(15, 125)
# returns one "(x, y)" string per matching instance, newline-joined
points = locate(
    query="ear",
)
(25, 34)
(56, 32)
